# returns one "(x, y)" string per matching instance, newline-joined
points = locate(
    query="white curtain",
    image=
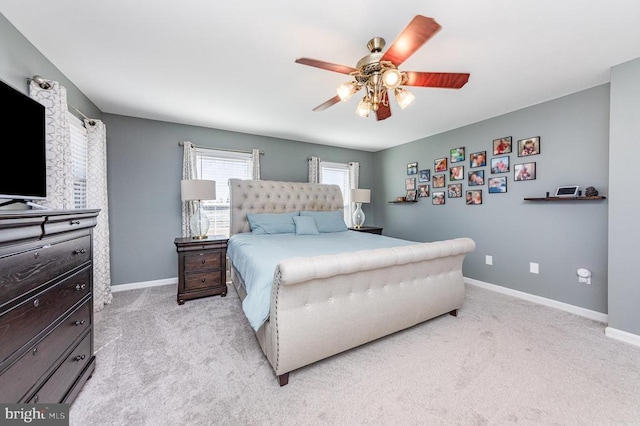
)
(58, 145)
(255, 157)
(189, 171)
(97, 198)
(314, 169)
(354, 182)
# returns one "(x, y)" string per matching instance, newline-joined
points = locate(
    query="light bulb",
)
(364, 108)
(346, 90)
(391, 78)
(404, 97)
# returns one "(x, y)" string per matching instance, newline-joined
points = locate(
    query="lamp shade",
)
(361, 195)
(198, 189)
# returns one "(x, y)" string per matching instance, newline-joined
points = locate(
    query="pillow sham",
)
(331, 221)
(305, 225)
(272, 223)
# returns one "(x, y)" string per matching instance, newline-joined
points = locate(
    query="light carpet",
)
(501, 361)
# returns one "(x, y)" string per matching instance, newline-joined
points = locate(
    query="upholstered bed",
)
(324, 304)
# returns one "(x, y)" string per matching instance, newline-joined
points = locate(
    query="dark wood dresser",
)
(202, 267)
(368, 229)
(46, 304)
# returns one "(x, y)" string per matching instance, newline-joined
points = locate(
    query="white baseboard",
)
(586, 313)
(143, 284)
(614, 333)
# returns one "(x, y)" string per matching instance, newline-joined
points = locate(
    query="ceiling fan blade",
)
(342, 69)
(327, 104)
(383, 112)
(446, 80)
(419, 30)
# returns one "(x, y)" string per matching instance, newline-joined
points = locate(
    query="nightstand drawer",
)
(204, 280)
(203, 260)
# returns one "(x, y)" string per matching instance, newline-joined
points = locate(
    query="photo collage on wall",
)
(449, 175)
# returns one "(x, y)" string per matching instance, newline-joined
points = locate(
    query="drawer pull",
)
(203, 280)
(79, 251)
(75, 222)
(203, 261)
(35, 351)
(79, 322)
(36, 254)
(36, 303)
(80, 286)
(36, 399)
(80, 357)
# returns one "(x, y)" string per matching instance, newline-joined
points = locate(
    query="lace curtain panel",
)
(189, 171)
(314, 169)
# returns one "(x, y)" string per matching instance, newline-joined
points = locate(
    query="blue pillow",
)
(332, 221)
(272, 223)
(305, 225)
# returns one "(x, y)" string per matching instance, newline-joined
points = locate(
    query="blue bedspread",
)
(256, 257)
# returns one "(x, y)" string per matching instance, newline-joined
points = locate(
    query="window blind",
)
(79, 159)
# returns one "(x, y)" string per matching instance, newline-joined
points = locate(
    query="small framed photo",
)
(409, 184)
(423, 191)
(478, 159)
(500, 164)
(474, 197)
(424, 175)
(412, 168)
(438, 181)
(454, 190)
(502, 145)
(457, 154)
(456, 173)
(530, 146)
(437, 198)
(440, 164)
(411, 195)
(476, 178)
(524, 171)
(497, 185)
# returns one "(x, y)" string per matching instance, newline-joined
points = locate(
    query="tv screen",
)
(23, 164)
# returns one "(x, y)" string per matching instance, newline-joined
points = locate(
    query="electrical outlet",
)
(534, 268)
(488, 260)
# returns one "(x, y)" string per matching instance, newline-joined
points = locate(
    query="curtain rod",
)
(44, 84)
(91, 120)
(222, 149)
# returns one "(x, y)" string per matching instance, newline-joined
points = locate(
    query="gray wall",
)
(144, 172)
(559, 236)
(624, 227)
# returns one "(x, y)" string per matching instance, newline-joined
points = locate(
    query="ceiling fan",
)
(377, 73)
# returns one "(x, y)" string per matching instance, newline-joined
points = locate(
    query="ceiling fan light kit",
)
(377, 73)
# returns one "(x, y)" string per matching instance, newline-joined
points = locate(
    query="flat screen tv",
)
(23, 163)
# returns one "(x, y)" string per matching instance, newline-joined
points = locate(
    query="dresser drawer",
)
(203, 280)
(25, 271)
(56, 387)
(203, 260)
(20, 377)
(22, 323)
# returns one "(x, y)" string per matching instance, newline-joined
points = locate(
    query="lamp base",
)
(199, 223)
(358, 216)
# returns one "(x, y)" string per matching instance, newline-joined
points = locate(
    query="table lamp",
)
(197, 190)
(359, 196)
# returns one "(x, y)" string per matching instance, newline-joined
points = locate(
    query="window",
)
(221, 166)
(79, 159)
(338, 174)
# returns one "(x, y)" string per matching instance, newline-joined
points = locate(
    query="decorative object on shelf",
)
(401, 199)
(457, 154)
(411, 195)
(197, 190)
(502, 145)
(568, 191)
(377, 73)
(500, 164)
(530, 146)
(590, 191)
(359, 196)
(412, 168)
(524, 171)
(478, 159)
(424, 176)
(438, 198)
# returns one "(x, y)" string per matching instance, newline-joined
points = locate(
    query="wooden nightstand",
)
(202, 269)
(368, 229)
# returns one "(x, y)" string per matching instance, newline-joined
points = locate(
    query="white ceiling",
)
(230, 64)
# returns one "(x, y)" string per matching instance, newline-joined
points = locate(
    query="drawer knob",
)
(36, 254)
(79, 251)
(75, 222)
(79, 322)
(36, 303)
(80, 357)
(36, 399)
(203, 261)
(203, 280)
(35, 351)
(80, 286)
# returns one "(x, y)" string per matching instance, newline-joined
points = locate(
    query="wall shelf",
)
(402, 202)
(597, 197)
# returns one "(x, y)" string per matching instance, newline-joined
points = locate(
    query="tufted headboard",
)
(269, 196)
